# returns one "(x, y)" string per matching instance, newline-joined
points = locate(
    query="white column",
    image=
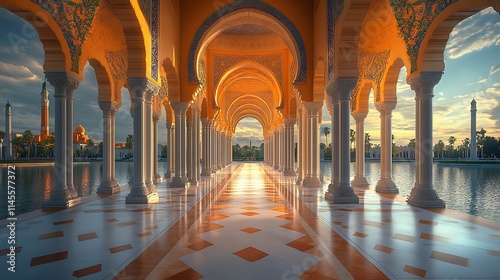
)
(213, 147)
(299, 147)
(195, 162)
(62, 196)
(289, 151)
(423, 193)
(206, 147)
(189, 151)
(168, 173)
(473, 145)
(70, 89)
(312, 144)
(156, 176)
(385, 184)
(149, 141)
(281, 137)
(180, 179)
(172, 149)
(108, 182)
(340, 90)
(359, 179)
(140, 193)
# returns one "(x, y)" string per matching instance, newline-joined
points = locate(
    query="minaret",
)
(8, 131)
(44, 104)
(473, 147)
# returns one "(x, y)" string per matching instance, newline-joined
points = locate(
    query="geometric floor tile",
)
(87, 236)
(251, 254)
(300, 245)
(87, 271)
(49, 258)
(198, 246)
(250, 230)
(415, 271)
(249, 214)
(449, 258)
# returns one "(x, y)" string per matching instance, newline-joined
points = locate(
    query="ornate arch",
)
(266, 11)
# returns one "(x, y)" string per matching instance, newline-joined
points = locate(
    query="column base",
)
(157, 178)
(108, 187)
(167, 175)
(289, 172)
(360, 181)
(341, 195)
(425, 198)
(63, 204)
(179, 183)
(312, 182)
(206, 173)
(193, 182)
(276, 167)
(386, 185)
(144, 199)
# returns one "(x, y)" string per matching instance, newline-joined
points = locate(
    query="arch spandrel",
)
(56, 48)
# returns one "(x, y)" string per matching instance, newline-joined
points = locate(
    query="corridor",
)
(250, 221)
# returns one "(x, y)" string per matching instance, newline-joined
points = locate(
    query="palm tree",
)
(28, 139)
(129, 143)
(325, 131)
(368, 144)
(480, 136)
(352, 137)
(412, 145)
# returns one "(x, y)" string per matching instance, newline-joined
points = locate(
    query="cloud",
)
(474, 34)
(494, 69)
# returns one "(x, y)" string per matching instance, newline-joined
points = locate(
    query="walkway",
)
(250, 222)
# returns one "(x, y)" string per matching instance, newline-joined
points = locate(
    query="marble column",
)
(189, 151)
(149, 140)
(108, 182)
(168, 173)
(289, 151)
(213, 147)
(360, 180)
(206, 147)
(312, 144)
(300, 158)
(172, 150)
(140, 193)
(340, 91)
(62, 195)
(195, 118)
(156, 176)
(180, 180)
(423, 193)
(281, 137)
(70, 89)
(195, 132)
(385, 184)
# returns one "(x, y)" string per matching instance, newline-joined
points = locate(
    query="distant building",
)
(79, 138)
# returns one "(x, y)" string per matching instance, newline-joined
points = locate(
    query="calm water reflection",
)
(469, 189)
(474, 190)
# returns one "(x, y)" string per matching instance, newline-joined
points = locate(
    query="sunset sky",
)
(472, 71)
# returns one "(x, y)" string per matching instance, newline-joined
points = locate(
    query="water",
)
(470, 189)
(473, 190)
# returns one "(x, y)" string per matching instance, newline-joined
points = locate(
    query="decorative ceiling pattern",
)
(269, 41)
(414, 19)
(75, 20)
(247, 29)
(223, 62)
(240, 5)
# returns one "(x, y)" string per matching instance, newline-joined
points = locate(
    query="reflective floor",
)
(250, 222)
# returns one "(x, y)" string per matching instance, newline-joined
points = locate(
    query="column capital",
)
(312, 106)
(180, 107)
(156, 118)
(341, 88)
(290, 122)
(63, 80)
(359, 116)
(423, 83)
(142, 87)
(109, 108)
(386, 108)
(168, 126)
(206, 122)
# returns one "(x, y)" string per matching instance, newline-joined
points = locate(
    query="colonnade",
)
(214, 151)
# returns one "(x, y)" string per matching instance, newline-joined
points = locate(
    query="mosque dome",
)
(80, 129)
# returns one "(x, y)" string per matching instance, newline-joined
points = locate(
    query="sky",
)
(472, 70)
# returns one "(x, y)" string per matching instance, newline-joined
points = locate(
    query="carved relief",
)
(372, 67)
(163, 91)
(414, 19)
(334, 9)
(75, 20)
(117, 62)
